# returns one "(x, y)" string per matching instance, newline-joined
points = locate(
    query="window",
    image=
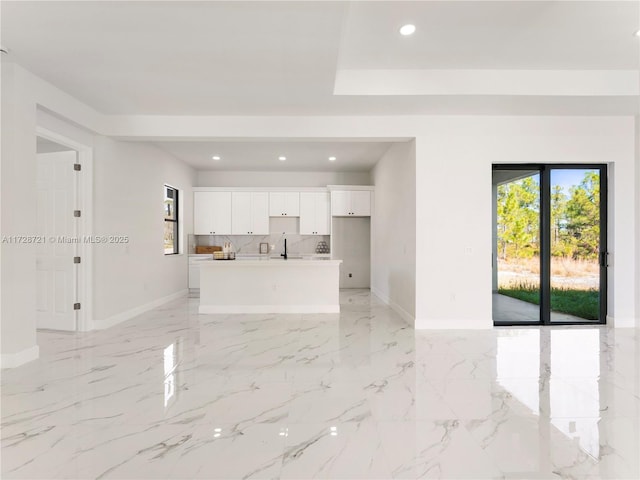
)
(170, 220)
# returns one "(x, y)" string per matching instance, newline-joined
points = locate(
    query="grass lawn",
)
(581, 303)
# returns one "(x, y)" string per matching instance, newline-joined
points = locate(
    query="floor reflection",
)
(556, 373)
(358, 394)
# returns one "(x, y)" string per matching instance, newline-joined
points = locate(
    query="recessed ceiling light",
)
(216, 157)
(638, 33)
(407, 29)
(282, 159)
(332, 159)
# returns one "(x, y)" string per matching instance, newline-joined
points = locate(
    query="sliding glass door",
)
(550, 247)
(516, 245)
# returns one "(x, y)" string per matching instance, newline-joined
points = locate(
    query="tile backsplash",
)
(245, 244)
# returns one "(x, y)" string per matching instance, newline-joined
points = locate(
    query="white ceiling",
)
(179, 57)
(281, 58)
(492, 35)
(263, 156)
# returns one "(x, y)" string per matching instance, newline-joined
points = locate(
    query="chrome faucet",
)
(285, 250)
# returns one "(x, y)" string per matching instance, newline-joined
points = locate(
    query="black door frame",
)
(545, 239)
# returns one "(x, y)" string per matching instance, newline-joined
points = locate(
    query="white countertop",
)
(255, 256)
(272, 262)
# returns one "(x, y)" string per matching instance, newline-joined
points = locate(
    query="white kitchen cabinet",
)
(361, 203)
(314, 213)
(212, 213)
(250, 213)
(284, 204)
(351, 203)
(340, 203)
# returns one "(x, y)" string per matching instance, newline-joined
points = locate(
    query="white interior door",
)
(56, 272)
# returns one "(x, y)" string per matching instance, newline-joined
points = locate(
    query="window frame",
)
(175, 220)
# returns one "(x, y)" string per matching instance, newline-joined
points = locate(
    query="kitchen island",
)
(270, 285)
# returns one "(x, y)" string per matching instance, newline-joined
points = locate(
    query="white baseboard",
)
(406, 316)
(617, 322)
(209, 309)
(453, 324)
(134, 312)
(12, 360)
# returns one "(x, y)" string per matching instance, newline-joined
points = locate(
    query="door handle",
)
(604, 259)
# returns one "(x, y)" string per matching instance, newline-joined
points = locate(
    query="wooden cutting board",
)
(208, 249)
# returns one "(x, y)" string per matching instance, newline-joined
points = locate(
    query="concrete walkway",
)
(508, 309)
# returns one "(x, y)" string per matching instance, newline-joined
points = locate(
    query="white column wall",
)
(637, 220)
(17, 320)
(393, 224)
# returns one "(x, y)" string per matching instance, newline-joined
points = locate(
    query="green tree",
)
(559, 246)
(518, 218)
(583, 217)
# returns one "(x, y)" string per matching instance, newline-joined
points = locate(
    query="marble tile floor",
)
(355, 395)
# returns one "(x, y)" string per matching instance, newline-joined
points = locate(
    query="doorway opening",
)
(63, 246)
(549, 244)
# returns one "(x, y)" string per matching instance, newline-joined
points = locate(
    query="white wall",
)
(394, 229)
(637, 221)
(453, 171)
(18, 164)
(128, 198)
(280, 179)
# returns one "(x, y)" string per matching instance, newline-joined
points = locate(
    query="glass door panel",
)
(549, 244)
(575, 245)
(516, 246)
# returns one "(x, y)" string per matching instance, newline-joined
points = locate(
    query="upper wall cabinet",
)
(351, 203)
(212, 213)
(314, 213)
(249, 213)
(284, 204)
